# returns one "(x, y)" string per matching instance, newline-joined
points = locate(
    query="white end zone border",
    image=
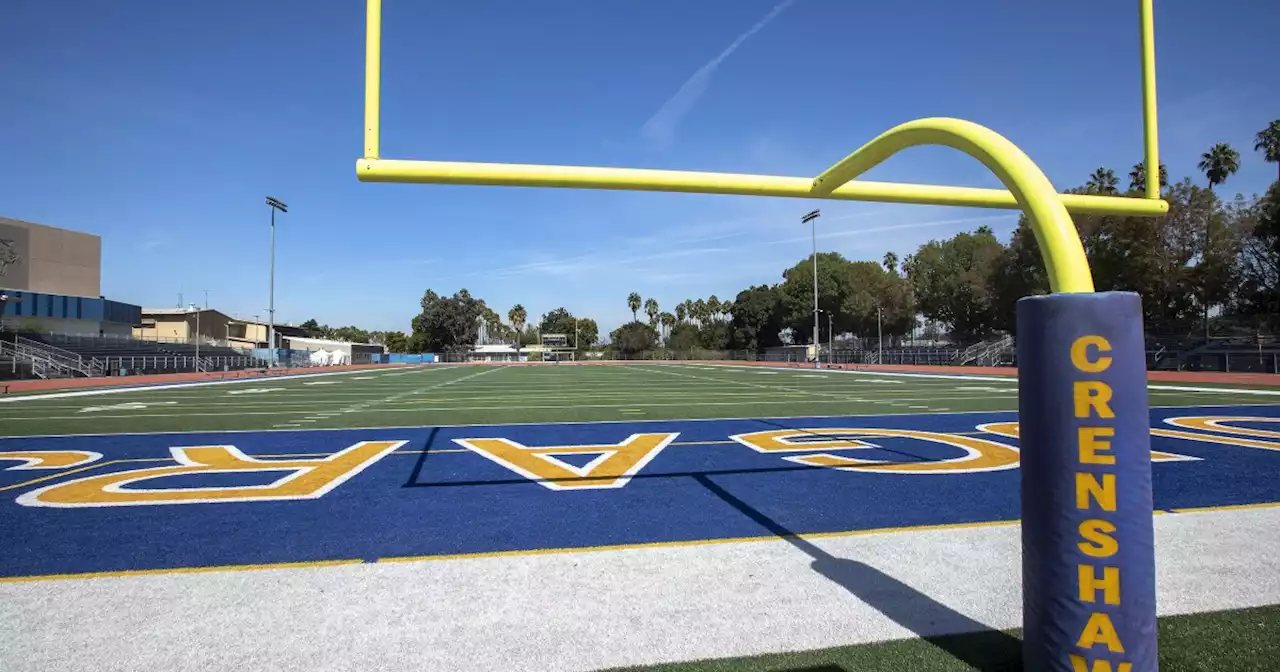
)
(1008, 380)
(174, 386)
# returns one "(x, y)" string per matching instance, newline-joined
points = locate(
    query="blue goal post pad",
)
(1088, 557)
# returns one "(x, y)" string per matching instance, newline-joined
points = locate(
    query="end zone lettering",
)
(1096, 487)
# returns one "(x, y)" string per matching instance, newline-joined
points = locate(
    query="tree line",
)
(1206, 260)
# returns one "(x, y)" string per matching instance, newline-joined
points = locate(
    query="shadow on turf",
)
(422, 459)
(414, 476)
(819, 434)
(980, 647)
(417, 472)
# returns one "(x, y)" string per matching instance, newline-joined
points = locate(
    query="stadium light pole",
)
(274, 204)
(811, 218)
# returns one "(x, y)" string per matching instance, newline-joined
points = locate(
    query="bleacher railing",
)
(54, 362)
(146, 364)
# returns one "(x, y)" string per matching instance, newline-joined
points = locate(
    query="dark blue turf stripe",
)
(444, 501)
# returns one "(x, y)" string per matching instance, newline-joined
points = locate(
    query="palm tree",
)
(713, 307)
(1103, 181)
(699, 311)
(726, 308)
(1219, 163)
(681, 311)
(1138, 177)
(891, 262)
(633, 302)
(667, 320)
(1269, 143)
(651, 309)
(517, 316)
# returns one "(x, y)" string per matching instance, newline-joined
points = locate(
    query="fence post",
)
(1226, 362)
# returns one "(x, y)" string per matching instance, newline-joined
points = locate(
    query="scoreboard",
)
(555, 341)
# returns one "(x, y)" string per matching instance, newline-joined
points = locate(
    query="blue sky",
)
(161, 127)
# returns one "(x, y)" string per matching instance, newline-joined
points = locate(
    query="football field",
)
(595, 516)
(483, 395)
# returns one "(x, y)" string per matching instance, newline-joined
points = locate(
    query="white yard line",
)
(941, 376)
(172, 386)
(1005, 379)
(365, 405)
(1218, 390)
(773, 388)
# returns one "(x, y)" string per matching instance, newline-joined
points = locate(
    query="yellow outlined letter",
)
(980, 454)
(49, 459)
(306, 478)
(613, 468)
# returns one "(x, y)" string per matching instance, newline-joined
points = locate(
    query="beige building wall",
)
(247, 334)
(39, 258)
(162, 328)
(167, 325)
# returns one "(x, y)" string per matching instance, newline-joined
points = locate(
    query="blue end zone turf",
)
(435, 497)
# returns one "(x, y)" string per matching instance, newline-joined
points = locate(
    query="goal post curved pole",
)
(1088, 552)
(1059, 242)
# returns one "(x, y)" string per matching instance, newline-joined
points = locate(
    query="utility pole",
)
(197, 338)
(275, 204)
(831, 338)
(880, 334)
(812, 219)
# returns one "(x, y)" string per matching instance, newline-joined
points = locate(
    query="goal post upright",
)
(1087, 536)
(1150, 127)
(372, 77)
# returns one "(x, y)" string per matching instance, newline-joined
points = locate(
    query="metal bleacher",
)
(123, 356)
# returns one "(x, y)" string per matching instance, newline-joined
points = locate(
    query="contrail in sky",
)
(662, 125)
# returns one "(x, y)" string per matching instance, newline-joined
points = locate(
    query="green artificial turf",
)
(1236, 641)
(452, 395)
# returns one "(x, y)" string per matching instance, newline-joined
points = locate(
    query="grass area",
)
(1239, 640)
(443, 395)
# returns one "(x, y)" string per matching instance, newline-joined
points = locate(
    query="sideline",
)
(173, 386)
(1000, 379)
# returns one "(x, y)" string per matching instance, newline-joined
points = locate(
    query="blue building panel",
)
(59, 306)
